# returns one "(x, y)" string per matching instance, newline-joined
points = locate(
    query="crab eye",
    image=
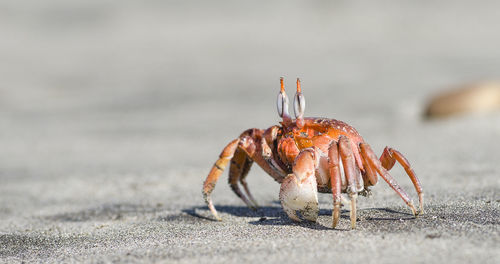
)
(282, 104)
(299, 105)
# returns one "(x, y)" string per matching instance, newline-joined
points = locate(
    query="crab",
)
(307, 155)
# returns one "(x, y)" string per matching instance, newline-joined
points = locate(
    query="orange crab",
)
(307, 156)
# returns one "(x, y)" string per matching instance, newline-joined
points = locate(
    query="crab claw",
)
(300, 195)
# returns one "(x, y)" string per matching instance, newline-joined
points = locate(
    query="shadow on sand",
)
(274, 215)
(266, 215)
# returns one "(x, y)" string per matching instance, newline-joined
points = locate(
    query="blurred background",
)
(98, 89)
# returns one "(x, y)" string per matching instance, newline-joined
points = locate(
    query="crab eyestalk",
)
(282, 104)
(299, 106)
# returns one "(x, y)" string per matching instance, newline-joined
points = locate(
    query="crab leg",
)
(299, 189)
(351, 174)
(370, 172)
(214, 174)
(238, 170)
(260, 153)
(368, 154)
(253, 151)
(243, 182)
(389, 157)
(334, 170)
(268, 156)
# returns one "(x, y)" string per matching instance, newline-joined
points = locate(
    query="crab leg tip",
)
(413, 209)
(215, 214)
(353, 210)
(213, 211)
(335, 215)
(421, 203)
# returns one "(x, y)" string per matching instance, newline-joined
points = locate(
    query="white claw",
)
(292, 214)
(300, 195)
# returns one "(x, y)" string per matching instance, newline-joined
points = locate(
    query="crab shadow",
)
(268, 215)
(385, 214)
(275, 216)
(239, 211)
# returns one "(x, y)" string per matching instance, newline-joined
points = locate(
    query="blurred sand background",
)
(112, 112)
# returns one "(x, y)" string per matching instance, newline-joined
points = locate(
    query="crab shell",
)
(315, 133)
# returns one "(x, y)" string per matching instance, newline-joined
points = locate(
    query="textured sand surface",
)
(111, 114)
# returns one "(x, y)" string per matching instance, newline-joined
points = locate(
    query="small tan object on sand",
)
(479, 97)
